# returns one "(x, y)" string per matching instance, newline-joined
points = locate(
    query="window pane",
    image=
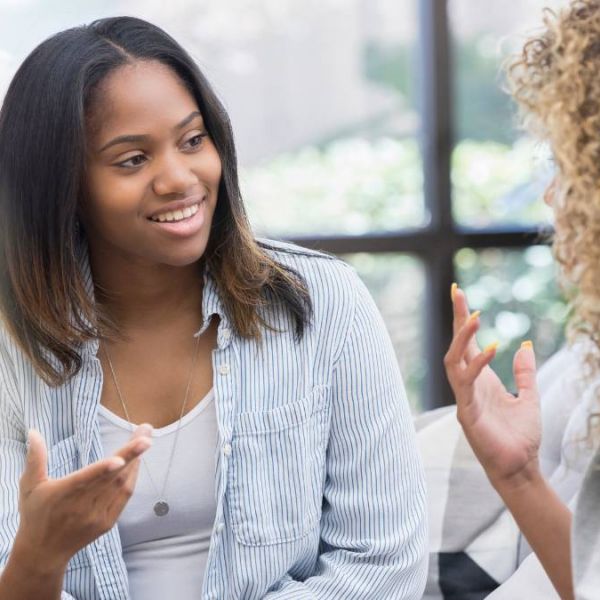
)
(498, 174)
(327, 124)
(386, 276)
(26, 23)
(519, 300)
(320, 94)
(322, 99)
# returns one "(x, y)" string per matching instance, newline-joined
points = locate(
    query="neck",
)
(139, 295)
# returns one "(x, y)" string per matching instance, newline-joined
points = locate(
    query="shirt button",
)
(220, 527)
(227, 449)
(225, 334)
(224, 369)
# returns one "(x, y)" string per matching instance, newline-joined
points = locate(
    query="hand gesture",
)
(504, 430)
(58, 517)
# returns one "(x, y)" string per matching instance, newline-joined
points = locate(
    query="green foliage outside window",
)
(372, 183)
(356, 185)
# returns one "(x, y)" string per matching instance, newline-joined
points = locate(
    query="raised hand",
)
(504, 430)
(58, 517)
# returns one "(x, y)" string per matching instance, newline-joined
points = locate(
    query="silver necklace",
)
(161, 507)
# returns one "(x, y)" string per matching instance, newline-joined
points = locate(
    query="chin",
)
(183, 257)
(182, 262)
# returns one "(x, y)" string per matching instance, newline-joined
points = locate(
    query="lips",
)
(178, 205)
(184, 228)
(177, 215)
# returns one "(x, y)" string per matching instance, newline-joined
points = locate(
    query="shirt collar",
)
(212, 303)
(211, 300)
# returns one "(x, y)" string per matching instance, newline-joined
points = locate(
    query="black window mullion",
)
(436, 243)
(435, 94)
(422, 241)
(436, 130)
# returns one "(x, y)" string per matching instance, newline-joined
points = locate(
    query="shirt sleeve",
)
(12, 463)
(373, 527)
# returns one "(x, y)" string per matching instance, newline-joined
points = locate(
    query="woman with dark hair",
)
(279, 458)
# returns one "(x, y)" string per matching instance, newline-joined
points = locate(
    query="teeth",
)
(176, 215)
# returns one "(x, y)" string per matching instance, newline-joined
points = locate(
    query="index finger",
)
(460, 308)
(461, 315)
(105, 468)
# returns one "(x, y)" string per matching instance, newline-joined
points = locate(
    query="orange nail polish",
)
(474, 315)
(491, 347)
(527, 344)
(453, 289)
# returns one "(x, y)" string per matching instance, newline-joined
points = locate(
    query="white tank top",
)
(166, 556)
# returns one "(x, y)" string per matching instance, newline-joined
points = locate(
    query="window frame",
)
(436, 243)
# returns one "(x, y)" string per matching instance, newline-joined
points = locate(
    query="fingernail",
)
(474, 315)
(116, 463)
(29, 437)
(491, 347)
(527, 344)
(143, 444)
(145, 429)
(453, 289)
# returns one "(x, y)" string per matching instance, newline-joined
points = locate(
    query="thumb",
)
(524, 371)
(36, 463)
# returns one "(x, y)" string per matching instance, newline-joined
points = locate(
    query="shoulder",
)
(569, 395)
(17, 372)
(9, 351)
(288, 251)
(333, 285)
(341, 301)
(566, 363)
(324, 273)
(562, 379)
(13, 365)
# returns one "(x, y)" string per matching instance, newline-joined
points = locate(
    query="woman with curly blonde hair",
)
(556, 84)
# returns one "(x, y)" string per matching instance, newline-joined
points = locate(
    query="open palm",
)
(504, 430)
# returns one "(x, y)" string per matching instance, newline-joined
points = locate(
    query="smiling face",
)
(152, 171)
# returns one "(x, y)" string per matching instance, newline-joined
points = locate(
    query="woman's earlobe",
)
(550, 192)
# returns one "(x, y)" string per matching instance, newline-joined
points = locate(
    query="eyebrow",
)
(122, 139)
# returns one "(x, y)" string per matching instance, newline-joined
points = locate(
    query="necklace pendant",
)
(161, 508)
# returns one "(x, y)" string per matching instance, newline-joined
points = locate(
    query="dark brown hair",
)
(43, 298)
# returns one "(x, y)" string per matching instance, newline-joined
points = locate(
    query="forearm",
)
(26, 578)
(546, 523)
(339, 577)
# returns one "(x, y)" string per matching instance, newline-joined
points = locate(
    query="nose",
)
(173, 176)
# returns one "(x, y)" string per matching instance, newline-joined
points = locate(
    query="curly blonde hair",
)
(555, 81)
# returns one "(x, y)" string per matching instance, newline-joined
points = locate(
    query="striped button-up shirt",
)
(319, 486)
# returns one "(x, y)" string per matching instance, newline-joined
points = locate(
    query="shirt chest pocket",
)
(278, 469)
(63, 460)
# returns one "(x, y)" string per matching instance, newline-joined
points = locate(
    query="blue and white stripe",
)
(320, 490)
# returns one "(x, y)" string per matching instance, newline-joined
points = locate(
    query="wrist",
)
(35, 562)
(525, 482)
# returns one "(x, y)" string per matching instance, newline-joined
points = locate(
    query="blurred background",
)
(376, 130)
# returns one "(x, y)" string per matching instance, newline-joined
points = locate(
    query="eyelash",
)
(201, 137)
